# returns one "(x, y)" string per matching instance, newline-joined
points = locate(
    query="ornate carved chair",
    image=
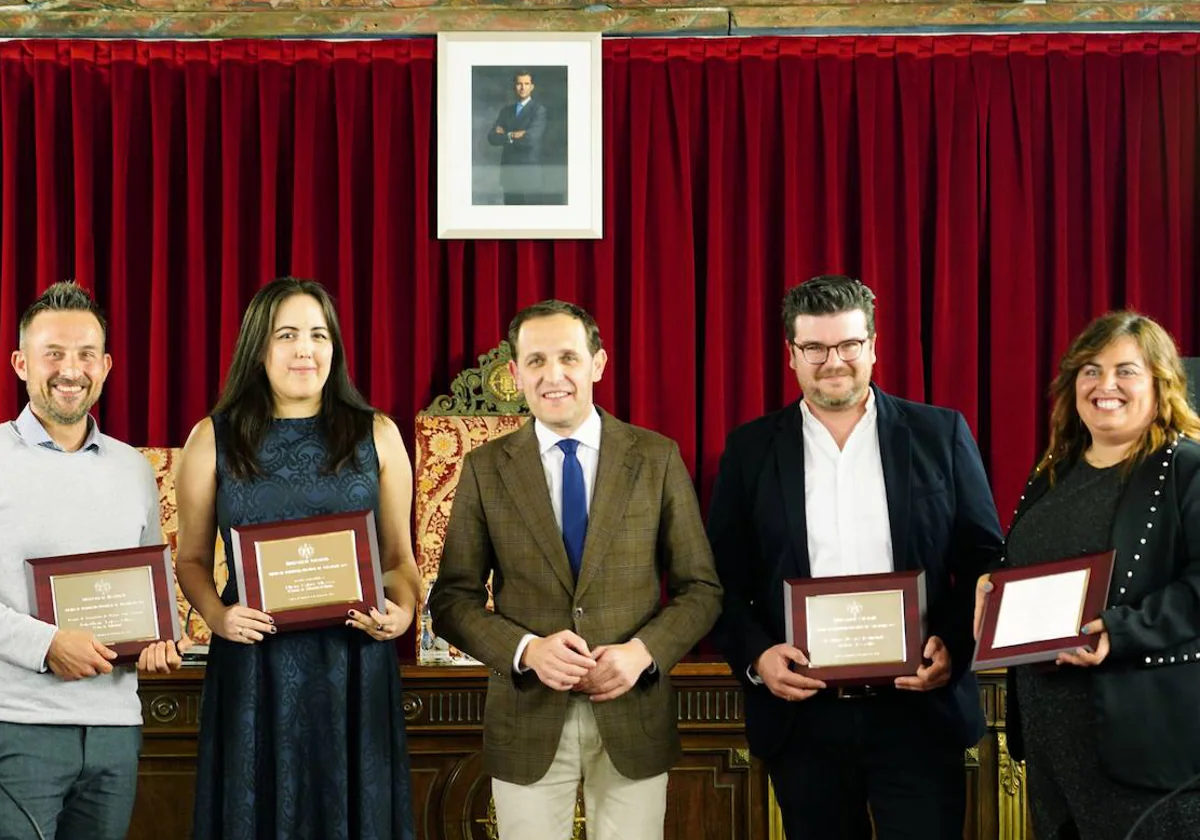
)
(483, 404)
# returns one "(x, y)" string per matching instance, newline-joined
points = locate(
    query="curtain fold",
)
(996, 191)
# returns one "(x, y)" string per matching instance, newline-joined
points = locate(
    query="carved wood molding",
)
(184, 19)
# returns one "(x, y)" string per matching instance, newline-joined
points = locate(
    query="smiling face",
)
(1115, 394)
(298, 356)
(835, 384)
(63, 364)
(556, 371)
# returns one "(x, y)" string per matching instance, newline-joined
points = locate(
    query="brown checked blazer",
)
(644, 522)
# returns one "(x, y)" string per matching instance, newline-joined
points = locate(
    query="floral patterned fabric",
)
(441, 444)
(165, 463)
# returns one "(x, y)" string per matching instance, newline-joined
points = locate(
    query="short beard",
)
(851, 399)
(46, 404)
(61, 419)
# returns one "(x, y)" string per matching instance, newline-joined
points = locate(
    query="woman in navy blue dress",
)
(301, 732)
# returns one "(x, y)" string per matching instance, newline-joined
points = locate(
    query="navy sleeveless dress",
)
(301, 735)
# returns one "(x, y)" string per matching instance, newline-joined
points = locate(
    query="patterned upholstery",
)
(166, 463)
(483, 404)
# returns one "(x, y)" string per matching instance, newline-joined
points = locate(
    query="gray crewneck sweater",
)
(99, 498)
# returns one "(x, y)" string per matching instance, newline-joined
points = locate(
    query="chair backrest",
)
(484, 403)
(165, 462)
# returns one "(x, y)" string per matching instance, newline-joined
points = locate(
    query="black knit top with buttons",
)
(1073, 518)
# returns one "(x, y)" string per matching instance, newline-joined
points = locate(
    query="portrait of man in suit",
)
(851, 480)
(1191, 366)
(602, 580)
(521, 159)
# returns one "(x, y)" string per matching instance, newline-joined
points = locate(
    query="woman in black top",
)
(1106, 732)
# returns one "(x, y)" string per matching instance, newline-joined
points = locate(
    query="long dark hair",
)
(345, 418)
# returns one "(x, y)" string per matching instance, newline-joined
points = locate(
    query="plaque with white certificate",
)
(1035, 612)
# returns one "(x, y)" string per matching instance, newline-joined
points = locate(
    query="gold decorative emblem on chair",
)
(484, 403)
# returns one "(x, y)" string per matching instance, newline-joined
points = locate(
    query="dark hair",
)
(545, 309)
(345, 418)
(1069, 437)
(64, 296)
(521, 73)
(827, 294)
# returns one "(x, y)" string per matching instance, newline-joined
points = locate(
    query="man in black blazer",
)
(850, 480)
(519, 129)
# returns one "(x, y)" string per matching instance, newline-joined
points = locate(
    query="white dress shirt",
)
(588, 453)
(845, 501)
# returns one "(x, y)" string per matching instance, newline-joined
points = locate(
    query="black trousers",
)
(884, 753)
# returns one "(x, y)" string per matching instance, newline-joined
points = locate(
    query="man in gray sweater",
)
(70, 722)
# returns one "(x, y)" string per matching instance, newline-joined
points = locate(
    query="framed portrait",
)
(519, 135)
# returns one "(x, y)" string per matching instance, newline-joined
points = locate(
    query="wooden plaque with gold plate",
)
(858, 629)
(125, 598)
(309, 572)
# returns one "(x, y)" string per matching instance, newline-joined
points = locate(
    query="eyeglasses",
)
(816, 353)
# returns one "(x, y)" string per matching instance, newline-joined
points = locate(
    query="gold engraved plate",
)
(309, 571)
(115, 606)
(860, 628)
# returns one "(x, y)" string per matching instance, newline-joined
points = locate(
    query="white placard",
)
(1041, 608)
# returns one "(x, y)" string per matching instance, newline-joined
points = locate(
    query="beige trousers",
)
(616, 808)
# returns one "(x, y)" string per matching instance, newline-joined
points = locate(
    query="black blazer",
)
(943, 520)
(1147, 690)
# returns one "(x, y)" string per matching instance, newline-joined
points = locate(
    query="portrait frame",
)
(570, 204)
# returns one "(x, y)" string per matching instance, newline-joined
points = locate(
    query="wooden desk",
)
(717, 791)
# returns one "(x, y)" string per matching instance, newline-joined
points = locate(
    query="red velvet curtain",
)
(997, 192)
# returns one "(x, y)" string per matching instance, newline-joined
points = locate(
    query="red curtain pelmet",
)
(996, 191)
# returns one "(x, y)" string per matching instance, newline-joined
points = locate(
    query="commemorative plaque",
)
(858, 629)
(125, 598)
(1035, 612)
(309, 572)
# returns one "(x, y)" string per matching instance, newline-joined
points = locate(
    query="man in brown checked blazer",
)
(578, 517)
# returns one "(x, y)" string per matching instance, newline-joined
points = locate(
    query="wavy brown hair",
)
(345, 418)
(1070, 438)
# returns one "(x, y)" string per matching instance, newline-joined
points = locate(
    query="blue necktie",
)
(520, 105)
(574, 505)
